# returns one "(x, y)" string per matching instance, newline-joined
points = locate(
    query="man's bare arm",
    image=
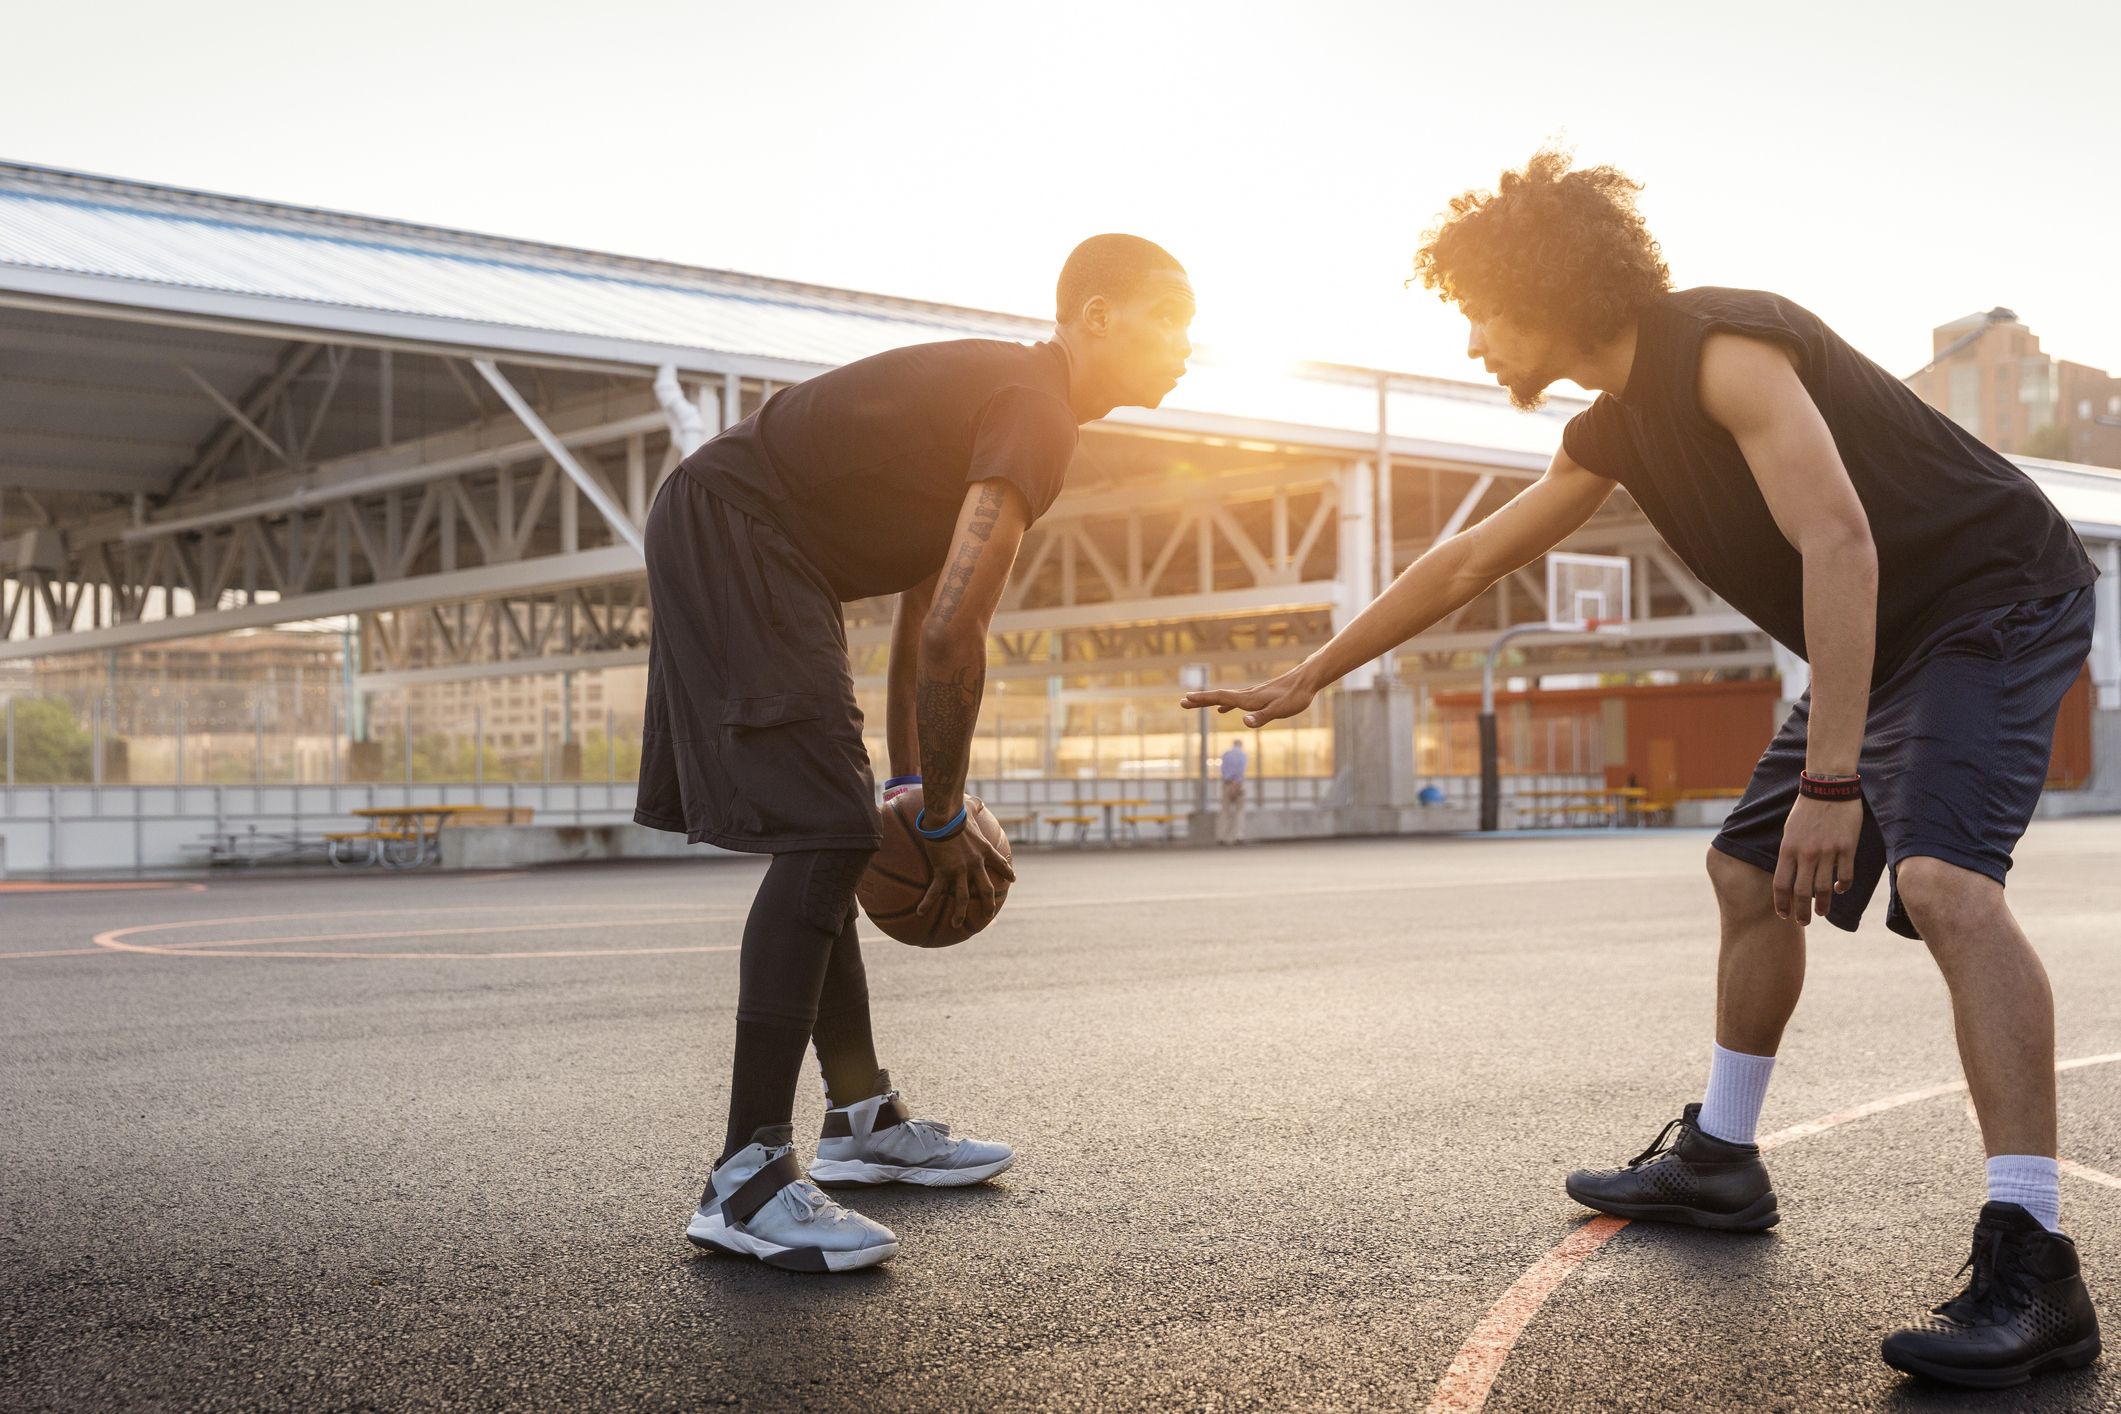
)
(1750, 389)
(1450, 575)
(901, 723)
(953, 639)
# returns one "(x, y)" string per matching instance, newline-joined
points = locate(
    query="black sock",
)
(804, 903)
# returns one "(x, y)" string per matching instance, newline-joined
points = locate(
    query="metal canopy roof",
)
(74, 241)
(208, 263)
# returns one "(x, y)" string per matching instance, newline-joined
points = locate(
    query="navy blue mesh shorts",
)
(1954, 756)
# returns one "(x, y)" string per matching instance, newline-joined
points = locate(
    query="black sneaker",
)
(1698, 1179)
(2024, 1310)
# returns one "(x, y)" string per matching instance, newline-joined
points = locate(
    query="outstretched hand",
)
(1271, 701)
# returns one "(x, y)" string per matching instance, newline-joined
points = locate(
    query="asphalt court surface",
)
(1291, 1123)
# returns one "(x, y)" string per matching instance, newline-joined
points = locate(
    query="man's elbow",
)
(962, 639)
(1843, 541)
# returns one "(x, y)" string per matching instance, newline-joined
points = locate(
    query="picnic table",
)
(401, 836)
(1611, 802)
(1082, 822)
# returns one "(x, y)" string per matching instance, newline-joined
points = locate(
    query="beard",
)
(1528, 392)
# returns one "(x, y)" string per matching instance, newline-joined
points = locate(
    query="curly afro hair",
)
(1553, 248)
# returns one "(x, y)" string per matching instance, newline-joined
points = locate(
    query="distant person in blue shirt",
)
(1230, 824)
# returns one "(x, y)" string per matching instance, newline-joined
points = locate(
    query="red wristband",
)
(1829, 787)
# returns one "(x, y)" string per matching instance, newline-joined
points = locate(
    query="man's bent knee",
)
(1940, 896)
(1740, 884)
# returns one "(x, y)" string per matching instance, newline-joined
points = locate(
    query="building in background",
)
(436, 450)
(1988, 374)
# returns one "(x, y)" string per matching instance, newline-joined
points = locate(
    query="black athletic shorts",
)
(751, 739)
(1954, 756)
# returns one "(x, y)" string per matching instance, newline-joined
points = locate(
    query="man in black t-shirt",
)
(1944, 606)
(913, 473)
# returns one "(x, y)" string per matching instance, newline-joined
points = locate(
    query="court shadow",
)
(1692, 1253)
(726, 1283)
(910, 1200)
(2074, 1389)
(722, 1277)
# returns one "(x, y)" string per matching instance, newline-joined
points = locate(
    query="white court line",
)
(2068, 1166)
(2088, 1173)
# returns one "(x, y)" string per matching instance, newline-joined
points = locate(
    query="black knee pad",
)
(827, 899)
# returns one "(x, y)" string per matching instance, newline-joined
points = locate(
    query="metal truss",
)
(254, 531)
(587, 627)
(477, 520)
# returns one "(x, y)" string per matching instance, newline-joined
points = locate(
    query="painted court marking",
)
(116, 939)
(2070, 1168)
(1466, 1384)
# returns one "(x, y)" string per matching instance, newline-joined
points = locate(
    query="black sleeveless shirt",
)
(1956, 525)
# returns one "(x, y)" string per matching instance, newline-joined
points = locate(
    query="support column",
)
(1373, 757)
(1355, 575)
(2103, 790)
(2106, 631)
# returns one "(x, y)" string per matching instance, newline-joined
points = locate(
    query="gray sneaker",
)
(879, 1141)
(758, 1204)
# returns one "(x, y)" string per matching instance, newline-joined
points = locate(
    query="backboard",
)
(1587, 591)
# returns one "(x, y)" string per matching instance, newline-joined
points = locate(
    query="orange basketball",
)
(897, 878)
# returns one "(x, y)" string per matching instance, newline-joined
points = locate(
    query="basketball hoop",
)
(1585, 594)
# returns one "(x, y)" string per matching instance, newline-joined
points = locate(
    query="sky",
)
(1890, 165)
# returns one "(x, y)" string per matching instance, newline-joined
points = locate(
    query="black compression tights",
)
(801, 978)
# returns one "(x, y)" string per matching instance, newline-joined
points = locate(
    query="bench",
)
(377, 840)
(1009, 823)
(1649, 812)
(489, 815)
(1082, 825)
(1133, 822)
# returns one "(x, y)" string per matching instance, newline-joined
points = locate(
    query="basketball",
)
(891, 889)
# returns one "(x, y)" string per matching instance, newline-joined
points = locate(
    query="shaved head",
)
(1115, 266)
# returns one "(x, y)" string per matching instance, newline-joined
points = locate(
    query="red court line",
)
(1472, 1374)
(428, 933)
(115, 939)
(1466, 1384)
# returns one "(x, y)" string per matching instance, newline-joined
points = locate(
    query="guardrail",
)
(69, 828)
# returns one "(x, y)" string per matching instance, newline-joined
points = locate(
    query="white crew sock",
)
(2032, 1182)
(1737, 1089)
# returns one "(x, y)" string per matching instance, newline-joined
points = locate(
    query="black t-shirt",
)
(864, 468)
(1957, 527)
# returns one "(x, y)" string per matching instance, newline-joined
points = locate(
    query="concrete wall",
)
(511, 846)
(72, 829)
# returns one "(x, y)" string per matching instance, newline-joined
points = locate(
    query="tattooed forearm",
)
(949, 710)
(950, 592)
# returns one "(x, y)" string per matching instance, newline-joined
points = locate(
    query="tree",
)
(51, 748)
(2050, 443)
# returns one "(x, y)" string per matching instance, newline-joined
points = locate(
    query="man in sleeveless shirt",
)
(915, 473)
(1944, 607)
